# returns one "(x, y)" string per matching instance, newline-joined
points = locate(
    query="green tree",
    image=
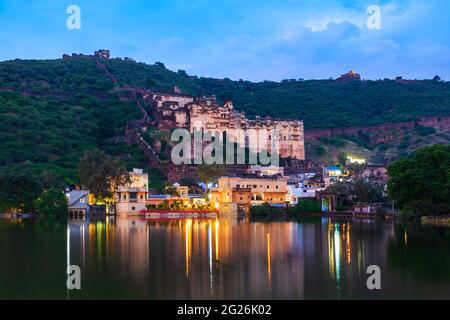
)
(367, 192)
(307, 206)
(176, 205)
(52, 203)
(420, 184)
(348, 193)
(171, 190)
(191, 183)
(164, 205)
(101, 174)
(266, 209)
(18, 190)
(343, 192)
(342, 159)
(210, 173)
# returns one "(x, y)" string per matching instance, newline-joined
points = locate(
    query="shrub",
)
(266, 209)
(52, 203)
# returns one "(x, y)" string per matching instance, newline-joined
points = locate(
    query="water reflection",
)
(226, 254)
(422, 252)
(223, 258)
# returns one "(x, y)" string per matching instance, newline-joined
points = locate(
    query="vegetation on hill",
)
(153, 77)
(327, 103)
(53, 76)
(330, 150)
(320, 103)
(52, 111)
(52, 133)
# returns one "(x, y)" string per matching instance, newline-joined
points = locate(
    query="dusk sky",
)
(248, 39)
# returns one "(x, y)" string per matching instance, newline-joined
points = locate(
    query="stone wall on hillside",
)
(386, 132)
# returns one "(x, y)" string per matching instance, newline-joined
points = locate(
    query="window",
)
(124, 196)
(276, 187)
(142, 196)
(267, 186)
(133, 208)
(133, 195)
(82, 200)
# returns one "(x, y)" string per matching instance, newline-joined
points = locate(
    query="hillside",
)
(329, 150)
(320, 103)
(56, 111)
(51, 111)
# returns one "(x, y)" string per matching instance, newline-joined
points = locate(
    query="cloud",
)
(410, 44)
(253, 40)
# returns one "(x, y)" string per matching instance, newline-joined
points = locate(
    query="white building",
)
(78, 203)
(131, 199)
(266, 170)
(331, 175)
(297, 192)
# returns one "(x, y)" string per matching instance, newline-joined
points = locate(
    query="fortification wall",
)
(383, 132)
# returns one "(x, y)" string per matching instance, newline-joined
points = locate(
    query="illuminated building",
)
(331, 174)
(131, 199)
(206, 114)
(355, 160)
(246, 191)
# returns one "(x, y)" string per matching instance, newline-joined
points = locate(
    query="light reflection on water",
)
(222, 258)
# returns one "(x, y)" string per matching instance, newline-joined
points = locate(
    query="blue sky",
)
(248, 39)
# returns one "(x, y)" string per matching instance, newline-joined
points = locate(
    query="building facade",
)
(205, 114)
(246, 191)
(78, 203)
(257, 135)
(132, 198)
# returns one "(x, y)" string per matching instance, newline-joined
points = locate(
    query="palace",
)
(206, 114)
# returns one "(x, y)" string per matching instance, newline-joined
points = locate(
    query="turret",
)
(229, 104)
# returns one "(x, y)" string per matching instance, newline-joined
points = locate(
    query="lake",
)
(223, 258)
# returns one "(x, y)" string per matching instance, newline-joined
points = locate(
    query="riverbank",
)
(177, 214)
(436, 220)
(351, 214)
(17, 215)
(336, 214)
